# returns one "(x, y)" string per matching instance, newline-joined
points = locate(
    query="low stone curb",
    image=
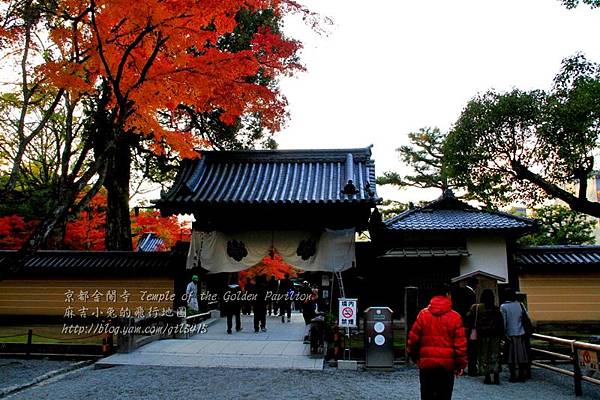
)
(210, 321)
(17, 388)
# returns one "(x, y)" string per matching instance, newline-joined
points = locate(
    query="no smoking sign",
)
(347, 314)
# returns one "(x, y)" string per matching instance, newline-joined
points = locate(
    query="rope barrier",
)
(67, 339)
(9, 336)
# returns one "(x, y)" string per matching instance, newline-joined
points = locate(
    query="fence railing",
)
(574, 348)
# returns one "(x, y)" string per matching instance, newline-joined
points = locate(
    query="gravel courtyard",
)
(19, 371)
(217, 383)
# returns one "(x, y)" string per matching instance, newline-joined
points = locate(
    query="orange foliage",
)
(87, 231)
(167, 228)
(268, 266)
(157, 54)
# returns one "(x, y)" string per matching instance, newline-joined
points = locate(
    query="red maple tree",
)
(87, 231)
(14, 230)
(135, 64)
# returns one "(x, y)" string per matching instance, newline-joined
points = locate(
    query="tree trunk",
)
(56, 238)
(118, 221)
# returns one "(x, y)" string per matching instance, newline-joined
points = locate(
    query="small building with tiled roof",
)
(449, 214)
(475, 239)
(442, 240)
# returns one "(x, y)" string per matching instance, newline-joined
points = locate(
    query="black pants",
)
(472, 358)
(272, 306)
(238, 322)
(308, 312)
(436, 384)
(285, 307)
(260, 316)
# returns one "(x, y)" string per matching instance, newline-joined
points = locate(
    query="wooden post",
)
(411, 309)
(29, 337)
(577, 372)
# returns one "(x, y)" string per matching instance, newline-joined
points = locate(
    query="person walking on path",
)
(486, 319)
(272, 289)
(232, 308)
(437, 341)
(191, 293)
(285, 292)
(518, 356)
(248, 290)
(463, 299)
(260, 304)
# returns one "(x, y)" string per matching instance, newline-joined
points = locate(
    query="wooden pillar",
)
(411, 309)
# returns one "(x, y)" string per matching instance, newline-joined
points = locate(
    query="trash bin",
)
(379, 338)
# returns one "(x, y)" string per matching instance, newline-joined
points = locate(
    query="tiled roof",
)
(424, 219)
(55, 261)
(557, 255)
(426, 252)
(150, 241)
(477, 273)
(273, 177)
(450, 214)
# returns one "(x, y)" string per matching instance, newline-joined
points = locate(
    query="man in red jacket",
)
(437, 340)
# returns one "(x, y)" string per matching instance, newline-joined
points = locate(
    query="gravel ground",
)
(214, 383)
(19, 371)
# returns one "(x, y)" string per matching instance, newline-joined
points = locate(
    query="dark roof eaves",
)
(284, 152)
(561, 247)
(461, 229)
(390, 222)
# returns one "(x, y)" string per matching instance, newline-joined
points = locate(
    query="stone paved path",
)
(280, 347)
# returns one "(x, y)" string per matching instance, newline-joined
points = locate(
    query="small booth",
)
(477, 282)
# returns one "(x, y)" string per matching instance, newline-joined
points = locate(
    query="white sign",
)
(588, 359)
(379, 340)
(347, 317)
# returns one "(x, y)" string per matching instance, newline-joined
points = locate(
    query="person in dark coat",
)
(308, 299)
(488, 323)
(272, 288)
(463, 299)
(247, 304)
(232, 308)
(260, 304)
(285, 290)
(308, 302)
(437, 341)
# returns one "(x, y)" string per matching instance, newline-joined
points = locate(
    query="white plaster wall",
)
(488, 253)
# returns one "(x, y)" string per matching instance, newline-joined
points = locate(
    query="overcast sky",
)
(389, 67)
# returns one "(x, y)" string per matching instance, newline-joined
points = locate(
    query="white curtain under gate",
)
(335, 249)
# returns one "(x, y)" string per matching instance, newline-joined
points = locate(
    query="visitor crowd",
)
(443, 342)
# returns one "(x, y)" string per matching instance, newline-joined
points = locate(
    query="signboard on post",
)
(347, 317)
(588, 359)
